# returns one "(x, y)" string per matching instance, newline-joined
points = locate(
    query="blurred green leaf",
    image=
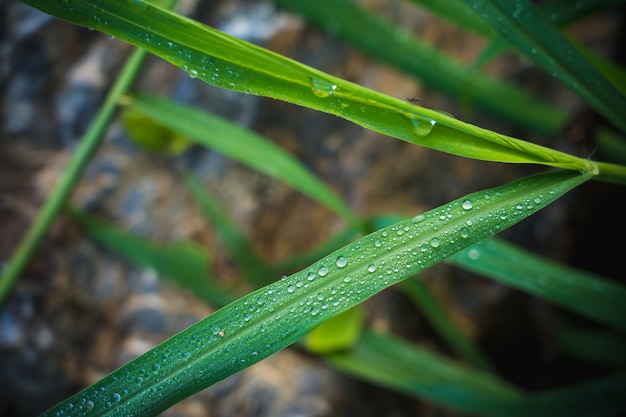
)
(592, 345)
(184, 263)
(337, 333)
(398, 365)
(153, 136)
(573, 289)
(392, 363)
(421, 296)
(254, 269)
(525, 27)
(243, 145)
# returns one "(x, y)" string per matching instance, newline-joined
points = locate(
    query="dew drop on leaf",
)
(322, 88)
(422, 126)
(342, 261)
(467, 204)
(418, 218)
(323, 271)
(435, 242)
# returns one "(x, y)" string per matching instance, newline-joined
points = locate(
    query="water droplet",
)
(342, 261)
(467, 204)
(320, 296)
(116, 397)
(246, 317)
(473, 254)
(378, 244)
(193, 73)
(435, 242)
(323, 271)
(291, 288)
(422, 126)
(315, 311)
(156, 367)
(371, 268)
(311, 276)
(537, 200)
(347, 279)
(464, 233)
(322, 88)
(89, 404)
(418, 218)
(186, 355)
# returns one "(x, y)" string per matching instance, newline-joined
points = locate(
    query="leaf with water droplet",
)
(286, 316)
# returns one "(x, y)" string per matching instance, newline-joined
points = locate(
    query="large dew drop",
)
(322, 88)
(342, 261)
(422, 126)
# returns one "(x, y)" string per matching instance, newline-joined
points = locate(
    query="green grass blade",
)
(600, 398)
(566, 12)
(459, 16)
(418, 292)
(184, 263)
(230, 235)
(525, 27)
(597, 346)
(578, 291)
(273, 317)
(243, 145)
(70, 176)
(387, 42)
(390, 362)
(231, 63)
(400, 366)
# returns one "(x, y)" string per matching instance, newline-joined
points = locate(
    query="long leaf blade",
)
(436, 69)
(397, 365)
(231, 63)
(276, 316)
(243, 145)
(532, 33)
(573, 289)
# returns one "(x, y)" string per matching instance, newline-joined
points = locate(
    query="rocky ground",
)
(79, 311)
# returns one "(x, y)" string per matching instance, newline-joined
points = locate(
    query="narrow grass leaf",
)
(243, 145)
(338, 333)
(231, 63)
(600, 398)
(274, 317)
(233, 239)
(592, 345)
(576, 290)
(460, 16)
(397, 46)
(397, 365)
(184, 263)
(525, 27)
(400, 366)
(566, 12)
(421, 296)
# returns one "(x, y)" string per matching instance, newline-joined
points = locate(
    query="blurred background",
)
(80, 311)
